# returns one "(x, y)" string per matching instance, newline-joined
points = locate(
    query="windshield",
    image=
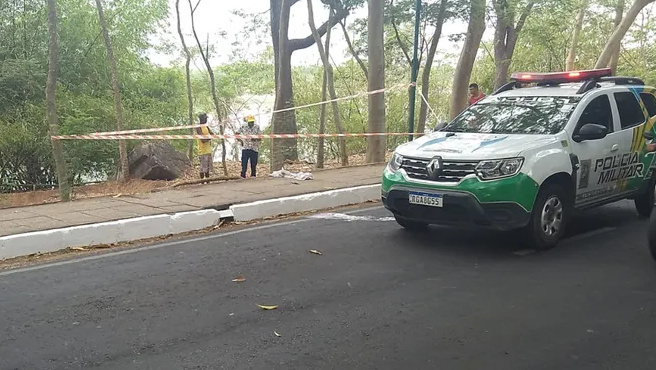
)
(516, 115)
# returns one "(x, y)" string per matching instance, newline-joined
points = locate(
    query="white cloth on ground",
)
(292, 175)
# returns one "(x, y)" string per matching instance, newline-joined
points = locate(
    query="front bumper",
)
(459, 209)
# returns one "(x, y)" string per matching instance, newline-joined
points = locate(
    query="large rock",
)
(157, 161)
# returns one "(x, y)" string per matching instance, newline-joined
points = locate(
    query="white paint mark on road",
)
(173, 243)
(349, 218)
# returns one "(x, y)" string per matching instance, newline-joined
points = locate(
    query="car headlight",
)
(498, 168)
(395, 162)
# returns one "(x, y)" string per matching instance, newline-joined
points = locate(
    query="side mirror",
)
(648, 135)
(590, 131)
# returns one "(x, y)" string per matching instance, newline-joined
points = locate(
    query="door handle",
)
(614, 148)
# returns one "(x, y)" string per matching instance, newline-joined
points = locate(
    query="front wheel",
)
(644, 202)
(651, 235)
(410, 225)
(549, 218)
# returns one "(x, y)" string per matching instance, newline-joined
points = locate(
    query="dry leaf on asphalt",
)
(267, 308)
(314, 251)
(239, 279)
(276, 333)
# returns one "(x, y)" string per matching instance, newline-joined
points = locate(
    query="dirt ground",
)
(113, 188)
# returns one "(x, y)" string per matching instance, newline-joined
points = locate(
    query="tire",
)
(553, 205)
(651, 235)
(644, 202)
(410, 225)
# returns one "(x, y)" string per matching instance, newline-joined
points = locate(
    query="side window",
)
(650, 102)
(630, 112)
(598, 111)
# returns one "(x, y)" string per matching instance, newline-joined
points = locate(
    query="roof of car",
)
(569, 89)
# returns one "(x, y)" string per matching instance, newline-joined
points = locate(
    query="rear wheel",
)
(410, 225)
(644, 202)
(549, 218)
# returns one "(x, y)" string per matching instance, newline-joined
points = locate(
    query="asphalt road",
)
(378, 298)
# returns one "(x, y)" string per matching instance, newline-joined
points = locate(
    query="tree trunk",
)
(51, 111)
(505, 38)
(425, 76)
(330, 79)
(124, 169)
(614, 42)
(619, 13)
(283, 48)
(475, 30)
(376, 145)
(571, 55)
(355, 55)
(321, 149)
(215, 98)
(190, 101)
(284, 122)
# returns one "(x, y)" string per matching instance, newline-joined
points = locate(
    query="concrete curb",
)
(305, 203)
(170, 224)
(108, 232)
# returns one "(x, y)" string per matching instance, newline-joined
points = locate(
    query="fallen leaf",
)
(277, 335)
(267, 308)
(314, 251)
(239, 279)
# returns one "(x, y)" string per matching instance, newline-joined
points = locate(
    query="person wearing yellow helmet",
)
(249, 147)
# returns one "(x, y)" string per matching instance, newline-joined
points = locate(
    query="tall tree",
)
(124, 171)
(376, 144)
(619, 13)
(506, 34)
(425, 76)
(578, 25)
(330, 78)
(475, 30)
(215, 97)
(51, 111)
(190, 100)
(283, 48)
(615, 41)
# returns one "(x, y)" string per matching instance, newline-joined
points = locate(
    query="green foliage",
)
(156, 96)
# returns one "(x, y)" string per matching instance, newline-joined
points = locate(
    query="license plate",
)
(425, 199)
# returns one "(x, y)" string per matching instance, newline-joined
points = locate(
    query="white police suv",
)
(526, 157)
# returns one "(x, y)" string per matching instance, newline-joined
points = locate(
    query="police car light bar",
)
(561, 77)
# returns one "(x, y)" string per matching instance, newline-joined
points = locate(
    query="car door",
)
(593, 155)
(628, 171)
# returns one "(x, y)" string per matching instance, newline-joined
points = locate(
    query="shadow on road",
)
(493, 244)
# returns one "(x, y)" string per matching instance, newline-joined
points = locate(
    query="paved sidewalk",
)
(191, 198)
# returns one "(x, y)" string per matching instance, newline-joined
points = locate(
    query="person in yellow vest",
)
(204, 148)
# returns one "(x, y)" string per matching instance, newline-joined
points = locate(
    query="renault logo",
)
(434, 168)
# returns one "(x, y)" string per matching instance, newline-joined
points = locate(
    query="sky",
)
(215, 17)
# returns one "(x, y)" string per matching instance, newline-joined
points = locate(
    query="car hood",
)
(473, 145)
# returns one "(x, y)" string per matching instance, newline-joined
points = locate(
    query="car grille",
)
(453, 171)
